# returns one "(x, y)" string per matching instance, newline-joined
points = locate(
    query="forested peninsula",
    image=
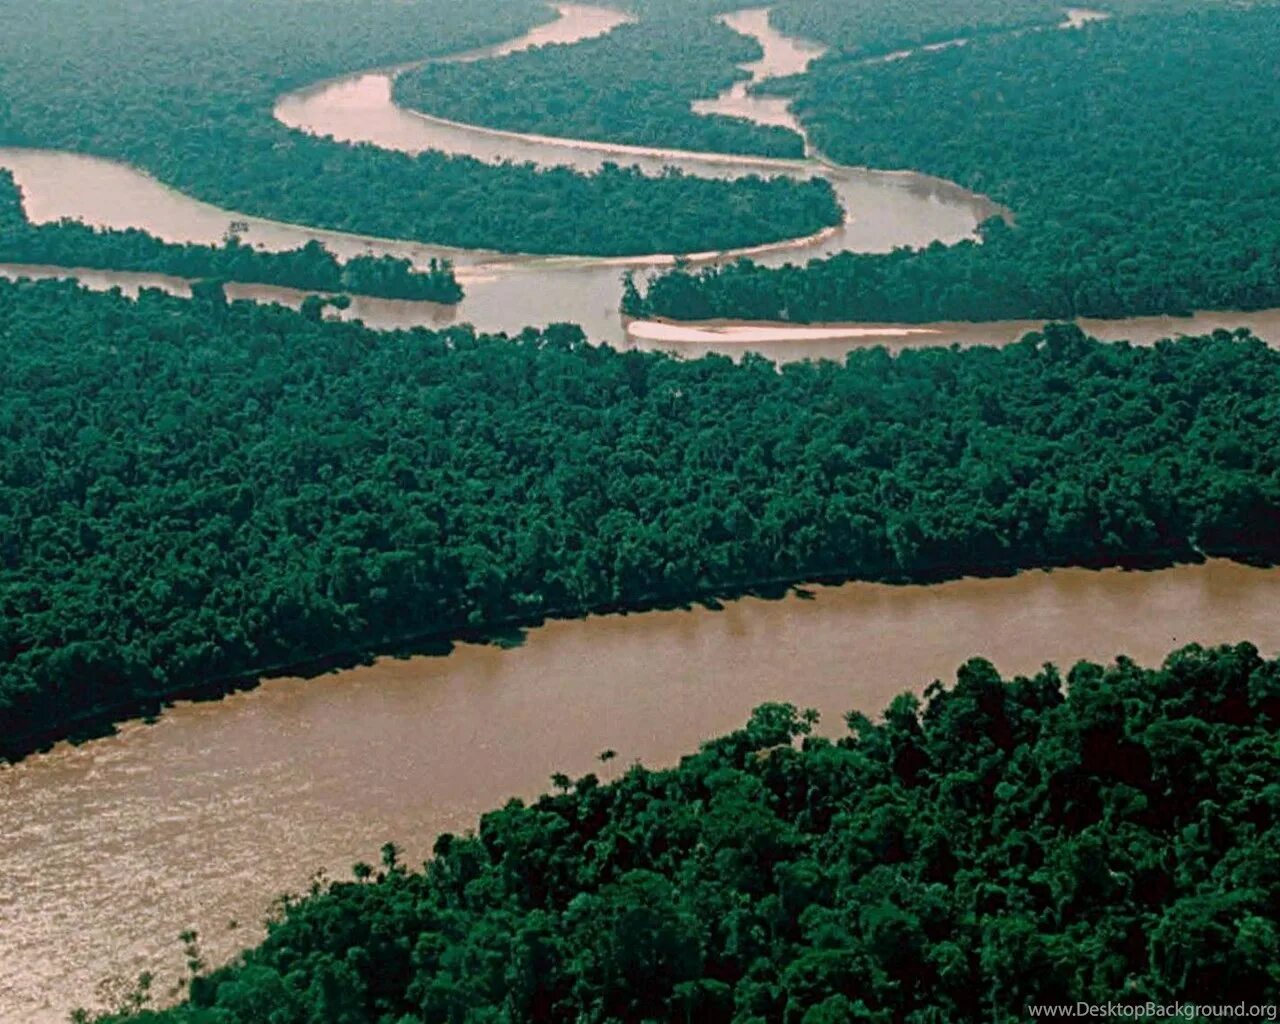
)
(185, 90)
(1105, 837)
(634, 85)
(193, 493)
(1106, 142)
(311, 268)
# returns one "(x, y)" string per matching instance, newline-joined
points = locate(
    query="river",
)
(111, 849)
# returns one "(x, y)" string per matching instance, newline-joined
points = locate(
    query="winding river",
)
(200, 820)
(504, 293)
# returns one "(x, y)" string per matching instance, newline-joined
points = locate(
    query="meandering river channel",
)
(504, 293)
(111, 849)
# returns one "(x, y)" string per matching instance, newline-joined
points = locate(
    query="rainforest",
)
(1125, 201)
(576, 90)
(312, 267)
(157, 496)
(151, 86)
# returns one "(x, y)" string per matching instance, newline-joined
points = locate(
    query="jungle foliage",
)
(1138, 157)
(634, 86)
(311, 267)
(185, 90)
(193, 492)
(873, 27)
(1107, 837)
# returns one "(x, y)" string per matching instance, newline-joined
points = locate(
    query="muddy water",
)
(505, 293)
(383, 313)
(111, 849)
(783, 56)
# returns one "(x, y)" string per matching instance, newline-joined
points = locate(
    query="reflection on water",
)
(113, 848)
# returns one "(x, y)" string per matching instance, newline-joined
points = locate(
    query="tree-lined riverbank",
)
(1103, 837)
(493, 481)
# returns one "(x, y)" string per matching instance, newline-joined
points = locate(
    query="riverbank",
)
(512, 481)
(97, 723)
(297, 775)
(504, 292)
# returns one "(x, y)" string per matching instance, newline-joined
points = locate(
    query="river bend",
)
(504, 292)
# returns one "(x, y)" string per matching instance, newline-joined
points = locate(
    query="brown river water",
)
(113, 848)
(109, 850)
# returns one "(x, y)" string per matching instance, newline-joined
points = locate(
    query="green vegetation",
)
(873, 27)
(1106, 838)
(193, 492)
(633, 86)
(311, 267)
(1108, 143)
(185, 90)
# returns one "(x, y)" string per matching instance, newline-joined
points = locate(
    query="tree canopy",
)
(872, 27)
(312, 267)
(185, 90)
(634, 85)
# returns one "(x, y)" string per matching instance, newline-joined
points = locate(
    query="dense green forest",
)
(194, 492)
(634, 85)
(1108, 143)
(185, 89)
(311, 267)
(870, 27)
(1107, 837)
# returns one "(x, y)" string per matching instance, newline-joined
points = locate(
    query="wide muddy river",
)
(109, 850)
(113, 848)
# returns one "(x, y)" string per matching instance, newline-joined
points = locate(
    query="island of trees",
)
(1106, 837)
(634, 85)
(312, 267)
(193, 493)
(185, 90)
(1106, 142)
